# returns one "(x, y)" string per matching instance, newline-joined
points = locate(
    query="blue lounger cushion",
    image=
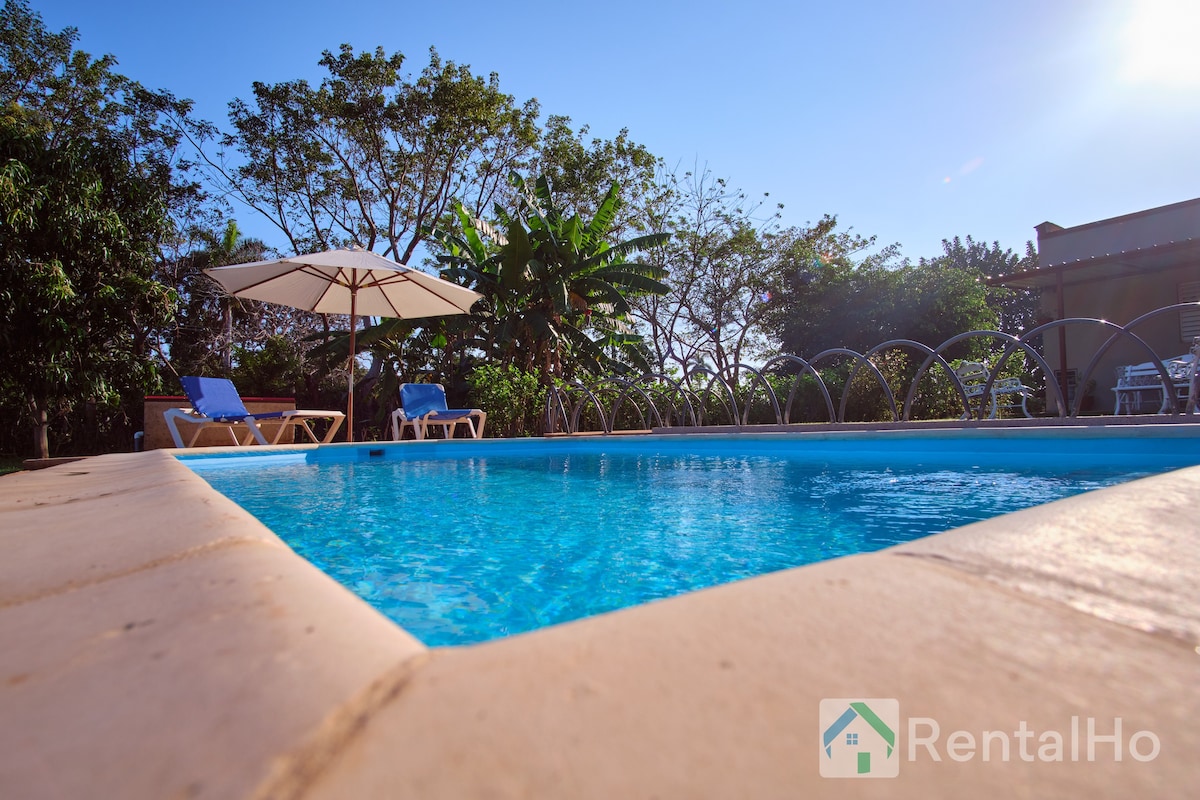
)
(422, 399)
(218, 399)
(424, 404)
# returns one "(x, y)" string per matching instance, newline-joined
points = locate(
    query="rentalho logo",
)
(858, 738)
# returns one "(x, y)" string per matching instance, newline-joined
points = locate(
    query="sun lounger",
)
(216, 403)
(424, 404)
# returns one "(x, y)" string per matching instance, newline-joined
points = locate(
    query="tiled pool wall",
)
(160, 642)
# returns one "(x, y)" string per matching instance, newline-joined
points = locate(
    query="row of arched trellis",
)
(703, 397)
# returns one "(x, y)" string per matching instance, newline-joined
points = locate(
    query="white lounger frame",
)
(420, 425)
(288, 420)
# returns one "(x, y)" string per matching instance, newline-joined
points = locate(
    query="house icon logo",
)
(858, 738)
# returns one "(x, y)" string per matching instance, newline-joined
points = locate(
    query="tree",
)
(840, 291)
(202, 334)
(836, 292)
(721, 255)
(76, 267)
(581, 173)
(89, 179)
(551, 282)
(833, 300)
(1017, 308)
(937, 301)
(371, 157)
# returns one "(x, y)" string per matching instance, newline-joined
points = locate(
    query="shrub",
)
(514, 400)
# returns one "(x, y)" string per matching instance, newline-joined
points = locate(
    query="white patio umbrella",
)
(349, 281)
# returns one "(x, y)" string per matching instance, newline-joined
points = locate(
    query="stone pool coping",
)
(160, 642)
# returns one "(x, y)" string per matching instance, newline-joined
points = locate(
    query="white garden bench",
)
(1006, 392)
(1140, 386)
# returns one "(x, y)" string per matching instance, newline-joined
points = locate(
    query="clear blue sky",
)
(912, 121)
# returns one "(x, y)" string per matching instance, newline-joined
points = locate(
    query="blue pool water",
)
(461, 542)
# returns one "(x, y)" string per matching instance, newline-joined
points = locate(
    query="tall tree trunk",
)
(41, 433)
(227, 355)
(91, 431)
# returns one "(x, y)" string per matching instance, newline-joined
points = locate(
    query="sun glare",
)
(1161, 41)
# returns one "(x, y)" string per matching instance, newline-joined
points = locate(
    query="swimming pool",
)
(466, 541)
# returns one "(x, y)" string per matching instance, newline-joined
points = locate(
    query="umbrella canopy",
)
(349, 281)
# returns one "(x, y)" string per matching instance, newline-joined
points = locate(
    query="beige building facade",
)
(1116, 270)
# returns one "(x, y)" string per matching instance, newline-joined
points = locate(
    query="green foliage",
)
(937, 301)
(515, 401)
(88, 184)
(581, 173)
(200, 338)
(274, 370)
(408, 351)
(1017, 308)
(76, 276)
(753, 397)
(551, 282)
(723, 262)
(372, 156)
(832, 297)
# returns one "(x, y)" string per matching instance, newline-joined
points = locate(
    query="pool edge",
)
(746, 657)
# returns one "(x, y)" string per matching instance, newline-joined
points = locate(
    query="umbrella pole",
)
(350, 394)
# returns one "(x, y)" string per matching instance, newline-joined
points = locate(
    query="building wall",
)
(1158, 226)
(1119, 301)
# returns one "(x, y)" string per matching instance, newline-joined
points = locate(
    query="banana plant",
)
(556, 291)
